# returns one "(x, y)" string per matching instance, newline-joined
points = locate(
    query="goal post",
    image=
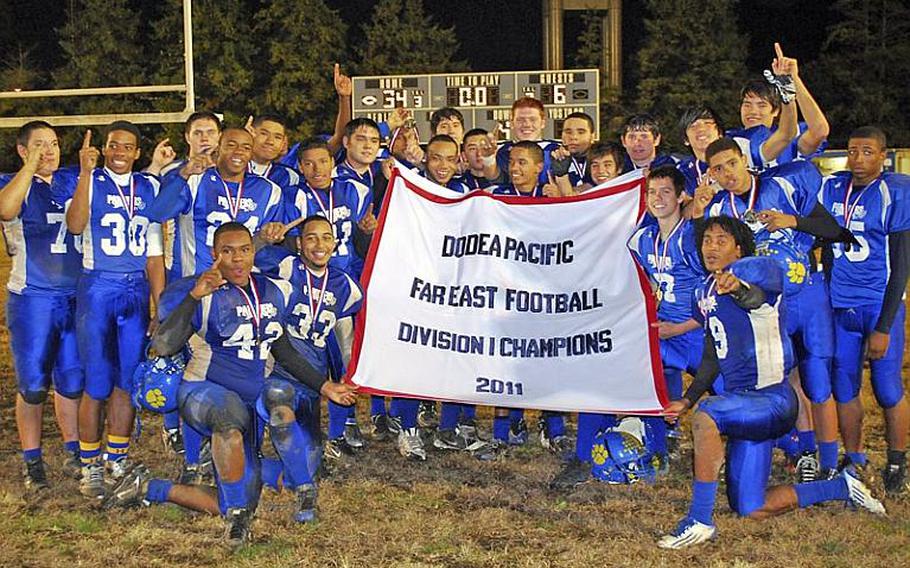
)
(138, 118)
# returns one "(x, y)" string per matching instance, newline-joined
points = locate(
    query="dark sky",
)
(494, 35)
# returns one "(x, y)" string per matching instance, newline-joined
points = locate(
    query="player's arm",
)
(787, 127)
(78, 209)
(163, 155)
(300, 369)
(13, 193)
(899, 258)
(154, 270)
(819, 223)
(344, 88)
(818, 128)
(177, 328)
(704, 378)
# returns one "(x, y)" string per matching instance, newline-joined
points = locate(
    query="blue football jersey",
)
(46, 258)
(118, 236)
(548, 146)
(788, 189)
(204, 202)
(751, 139)
(658, 161)
(344, 170)
(316, 306)
(455, 184)
(673, 265)
(234, 331)
(169, 230)
(753, 348)
(578, 171)
(509, 189)
(860, 273)
(281, 175)
(343, 204)
(694, 170)
(473, 182)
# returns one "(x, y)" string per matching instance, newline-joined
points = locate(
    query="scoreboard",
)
(483, 98)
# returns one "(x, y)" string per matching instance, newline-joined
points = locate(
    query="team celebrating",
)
(220, 290)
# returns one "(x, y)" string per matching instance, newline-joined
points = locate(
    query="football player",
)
(41, 301)
(781, 208)
(234, 321)
(122, 279)
(868, 279)
(739, 307)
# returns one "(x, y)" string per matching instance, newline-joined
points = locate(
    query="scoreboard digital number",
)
(483, 98)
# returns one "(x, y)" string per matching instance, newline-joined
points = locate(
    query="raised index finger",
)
(87, 140)
(337, 71)
(292, 224)
(778, 51)
(217, 262)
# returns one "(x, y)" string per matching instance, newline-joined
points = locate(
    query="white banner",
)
(509, 301)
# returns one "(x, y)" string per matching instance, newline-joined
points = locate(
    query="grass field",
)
(451, 511)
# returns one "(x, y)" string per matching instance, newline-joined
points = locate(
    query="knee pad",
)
(889, 393)
(815, 378)
(73, 395)
(278, 393)
(233, 415)
(34, 397)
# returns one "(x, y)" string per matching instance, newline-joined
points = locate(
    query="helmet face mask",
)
(155, 383)
(622, 456)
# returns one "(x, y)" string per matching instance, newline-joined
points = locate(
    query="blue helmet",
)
(156, 381)
(623, 454)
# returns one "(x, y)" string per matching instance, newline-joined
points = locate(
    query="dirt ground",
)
(450, 511)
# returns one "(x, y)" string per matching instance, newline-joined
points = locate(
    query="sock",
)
(468, 411)
(857, 458)
(808, 494)
(117, 447)
(271, 473)
(806, 441)
(234, 494)
(158, 490)
(897, 457)
(292, 444)
(448, 416)
(192, 444)
(31, 455)
(556, 425)
(407, 411)
(704, 494)
(658, 427)
(352, 414)
(89, 452)
(516, 414)
(377, 405)
(827, 455)
(501, 428)
(787, 444)
(71, 447)
(338, 415)
(172, 420)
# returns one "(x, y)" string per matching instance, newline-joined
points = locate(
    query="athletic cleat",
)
(189, 475)
(352, 434)
(518, 433)
(427, 416)
(562, 446)
(394, 424)
(807, 469)
(72, 466)
(173, 440)
(468, 430)
(860, 495)
(380, 427)
(206, 466)
(337, 449)
(237, 532)
(449, 440)
(410, 445)
(92, 483)
(130, 489)
(117, 469)
(894, 478)
(488, 451)
(688, 532)
(828, 473)
(35, 476)
(306, 503)
(860, 472)
(674, 449)
(573, 473)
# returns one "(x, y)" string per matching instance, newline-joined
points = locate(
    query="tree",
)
(862, 72)
(693, 55)
(307, 38)
(224, 54)
(101, 46)
(401, 38)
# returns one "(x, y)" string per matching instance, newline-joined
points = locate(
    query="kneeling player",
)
(233, 320)
(745, 340)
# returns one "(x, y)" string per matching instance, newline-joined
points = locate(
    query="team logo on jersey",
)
(115, 202)
(267, 310)
(246, 204)
(707, 304)
(329, 300)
